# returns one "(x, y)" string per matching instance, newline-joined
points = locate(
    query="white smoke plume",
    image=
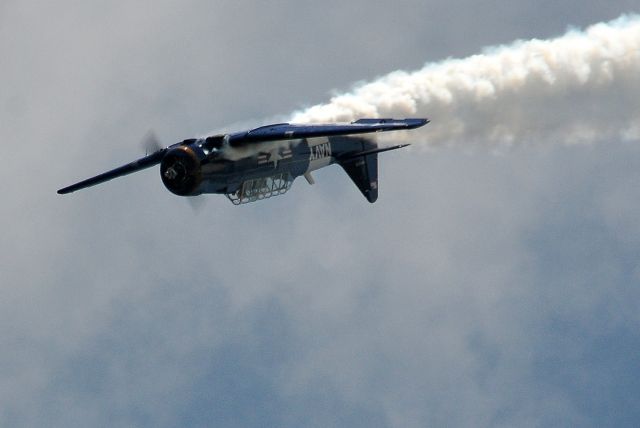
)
(583, 87)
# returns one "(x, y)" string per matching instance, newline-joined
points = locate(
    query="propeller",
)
(150, 143)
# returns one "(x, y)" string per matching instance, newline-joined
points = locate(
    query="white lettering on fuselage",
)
(320, 151)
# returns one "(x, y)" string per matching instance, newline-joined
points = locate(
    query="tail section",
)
(361, 164)
(363, 170)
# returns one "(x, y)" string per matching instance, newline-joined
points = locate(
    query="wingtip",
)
(63, 191)
(416, 123)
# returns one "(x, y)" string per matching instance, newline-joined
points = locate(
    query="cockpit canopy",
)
(215, 142)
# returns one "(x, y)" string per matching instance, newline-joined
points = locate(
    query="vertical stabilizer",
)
(363, 170)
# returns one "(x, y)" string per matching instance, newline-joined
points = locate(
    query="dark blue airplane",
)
(263, 162)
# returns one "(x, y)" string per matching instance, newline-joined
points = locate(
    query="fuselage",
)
(258, 170)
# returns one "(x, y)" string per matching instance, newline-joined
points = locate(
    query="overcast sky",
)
(480, 290)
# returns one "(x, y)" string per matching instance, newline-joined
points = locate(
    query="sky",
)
(481, 289)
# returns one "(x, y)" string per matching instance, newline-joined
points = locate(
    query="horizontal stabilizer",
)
(372, 151)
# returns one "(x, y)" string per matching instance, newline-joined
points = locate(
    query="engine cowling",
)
(181, 171)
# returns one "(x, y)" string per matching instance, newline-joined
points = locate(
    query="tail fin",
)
(363, 170)
(362, 164)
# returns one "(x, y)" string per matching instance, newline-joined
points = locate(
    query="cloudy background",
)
(480, 290)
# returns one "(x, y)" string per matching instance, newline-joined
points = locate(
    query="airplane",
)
(260, 163)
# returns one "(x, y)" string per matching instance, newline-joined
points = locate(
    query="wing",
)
(286, 131)
(137, 165)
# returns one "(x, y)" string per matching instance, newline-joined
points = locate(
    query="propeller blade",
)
(197, 202)
(150, 143)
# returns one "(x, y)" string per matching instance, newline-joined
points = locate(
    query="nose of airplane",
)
(180, 171)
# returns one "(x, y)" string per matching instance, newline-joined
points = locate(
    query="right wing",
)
(140, 164)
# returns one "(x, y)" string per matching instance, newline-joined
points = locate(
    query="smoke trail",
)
(582, 87)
